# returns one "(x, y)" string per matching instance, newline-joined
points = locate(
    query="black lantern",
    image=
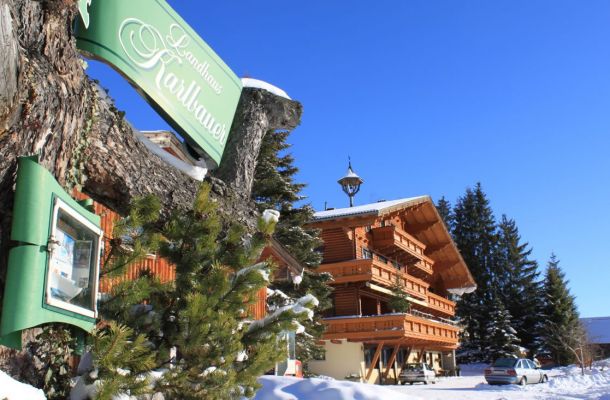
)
(350, 184)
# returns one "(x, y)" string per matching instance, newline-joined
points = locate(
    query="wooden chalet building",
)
(367, 249)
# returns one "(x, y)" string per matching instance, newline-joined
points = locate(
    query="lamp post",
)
(350, 184)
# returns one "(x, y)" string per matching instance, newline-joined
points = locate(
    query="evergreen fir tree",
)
(475, 235)
(443, 206)
(202, 317)
(502, 340)
(518, 284)
(274, 188)
(560, 313)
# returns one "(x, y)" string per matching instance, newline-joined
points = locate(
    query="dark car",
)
(514, 371)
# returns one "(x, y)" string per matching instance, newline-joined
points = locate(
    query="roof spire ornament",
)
(350, 183)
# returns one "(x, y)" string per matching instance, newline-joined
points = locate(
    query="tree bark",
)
(49, 107)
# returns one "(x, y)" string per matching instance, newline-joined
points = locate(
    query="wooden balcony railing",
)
(369, 270)
(441, 304)
(406, 327)
(391, 240)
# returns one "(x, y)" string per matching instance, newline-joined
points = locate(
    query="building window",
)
(73, 265)
(369, 353)
(366, 254)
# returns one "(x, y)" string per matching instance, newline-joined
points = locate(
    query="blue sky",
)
(430, 97)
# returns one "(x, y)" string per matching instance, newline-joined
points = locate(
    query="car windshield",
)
(505, 362)
(413, 367)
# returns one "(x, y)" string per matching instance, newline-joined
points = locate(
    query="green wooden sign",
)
(53, 269)
(175, 70)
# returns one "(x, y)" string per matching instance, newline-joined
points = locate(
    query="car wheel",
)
(523, 381)
(425, 382)
(410, 383)
(545, 379)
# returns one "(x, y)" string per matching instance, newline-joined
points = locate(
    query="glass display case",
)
(73, 264)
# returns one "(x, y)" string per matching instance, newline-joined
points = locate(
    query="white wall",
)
(342, 360)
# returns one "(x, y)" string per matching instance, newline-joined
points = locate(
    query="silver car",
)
(417, 372)
(519, 371)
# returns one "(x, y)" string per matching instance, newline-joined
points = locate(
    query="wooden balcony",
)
(398, 244)
(441, 304)
(368, 270)
(404, 328)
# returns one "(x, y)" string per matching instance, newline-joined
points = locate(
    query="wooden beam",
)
(391, 361)
(373, 362)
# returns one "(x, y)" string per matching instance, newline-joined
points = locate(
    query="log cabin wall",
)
(363, 241)
(346, 301)
(337, 245)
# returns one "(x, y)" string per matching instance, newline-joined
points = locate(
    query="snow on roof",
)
(373, 208)
(598, 329)
(256, 83)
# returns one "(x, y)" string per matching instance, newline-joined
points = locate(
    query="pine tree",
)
(274, 188)
(518, 284)
(399, 302)
(443, 207)
(202, 317)
(502, 340)
(560, 313)
(476, 236)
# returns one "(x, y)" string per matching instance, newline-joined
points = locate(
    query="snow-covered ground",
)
(10, 389)
(565, 384)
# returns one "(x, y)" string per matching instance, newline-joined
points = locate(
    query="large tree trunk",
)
(49, 107)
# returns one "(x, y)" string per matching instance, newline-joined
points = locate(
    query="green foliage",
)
(400, 300)
(502, 340)
(475, 234)
(202, 317)
(274, 188)
(518, 284)
(121, 362)
(510, 294)
(133, 236)
(560, 314)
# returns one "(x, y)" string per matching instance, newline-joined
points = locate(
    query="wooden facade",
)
(367, 250)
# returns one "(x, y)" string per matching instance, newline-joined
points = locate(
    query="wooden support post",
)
(391, 361)
(374, 362)
(359, 304)
(378, 307)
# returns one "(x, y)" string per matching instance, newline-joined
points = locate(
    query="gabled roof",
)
(420, 213)
(379, 208)
(598, 329)
(282, 256)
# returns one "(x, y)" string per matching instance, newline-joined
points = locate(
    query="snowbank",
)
(288, 388)
(11, 389)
